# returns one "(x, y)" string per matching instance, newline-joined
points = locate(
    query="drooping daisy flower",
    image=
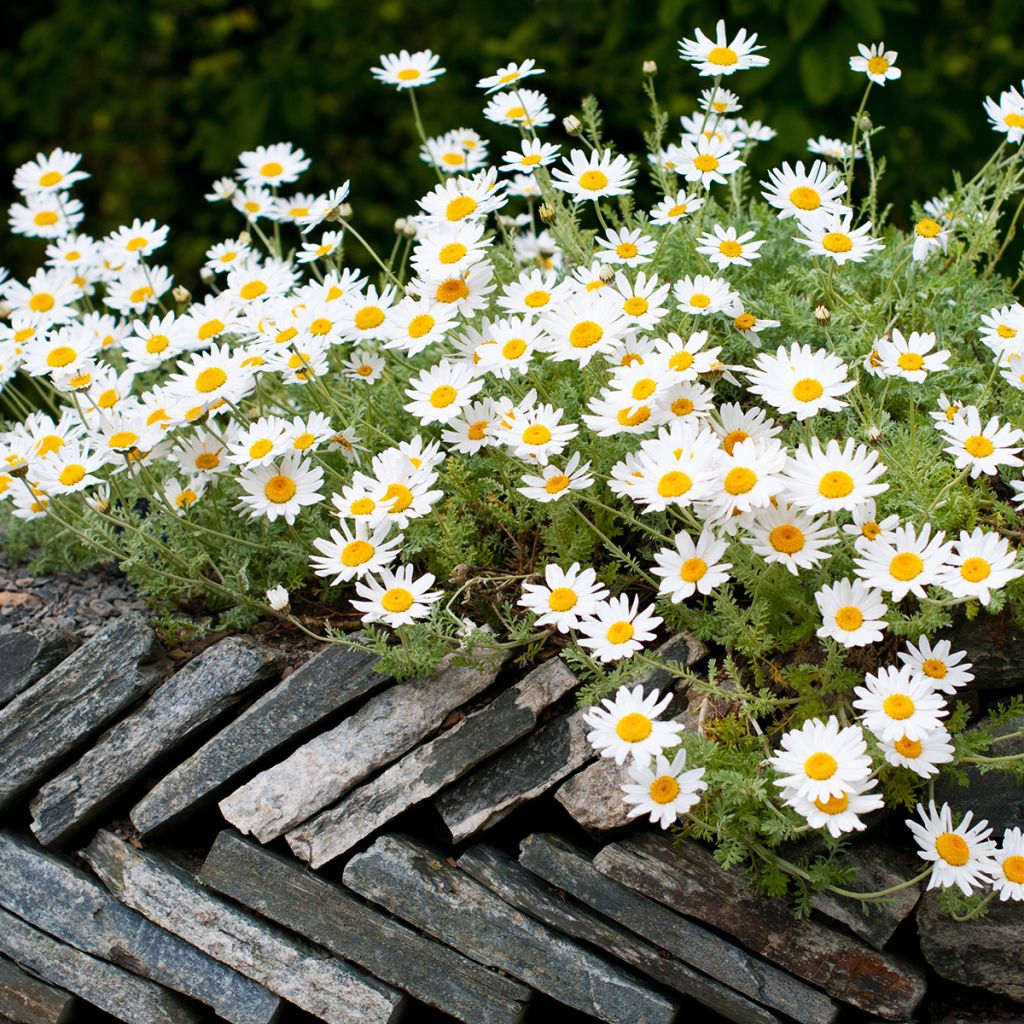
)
(617, 629)
(796, 192)
(396, 598)
(963, 856)
(875, 61)
(851, 614)
(831, 149)
(981, 449)
(789, 536)
(627, 726)
(819, 760)
(833, 235)
(938, 664)
(839, 814)
(565, 598)
(833, 478)
(923, 755)
(980, 563)
(910, 357)
(406, 70)
(509, 74)
(663, 790)
(691, 566)
(591, 177)
(724, 247)
(714, 57)
(349, 554)
(280, 491)
(906, 564)
(929, 237)
(1008, 876)
(800, 380)
(895, 703)
(555, 483)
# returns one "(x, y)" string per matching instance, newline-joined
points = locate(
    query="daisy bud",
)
(206, 275)
(865, 124)
(277, 598)
(546, 213)
(606, 273)
(410, 229)
(874, 435)
(822, 314)
(181, 294)
(400, 225)
(5, 310)
(572, 125)
(244, 238)
(650, 68)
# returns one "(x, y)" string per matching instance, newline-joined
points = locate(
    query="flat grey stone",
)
(291, 967)
(568, 868)
(414, 883)
(994, 646)
(123, 995)
(323, 770)
(984, 953)
(199, 693)
(27, 655)
(332, 678)
(519, 888)
(70, 704)
(55, 896)
(687, 878)
(27, 1000)
(279, 889)
(427, 769)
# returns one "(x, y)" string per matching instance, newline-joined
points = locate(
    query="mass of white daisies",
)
(262, 390)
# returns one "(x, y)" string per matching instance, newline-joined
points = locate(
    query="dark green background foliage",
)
(160, 95)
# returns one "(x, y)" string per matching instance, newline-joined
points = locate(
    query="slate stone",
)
(279, 889)
(519, 888)
(293, 968)
(27, 655)
(985, 953)
(55, 896)
(70, 704)
(323, 770)
(27, 1000)
(123, 995)
(994, 646)
(571, 870)
(687, 878)
(426, 770)
(199, 693)
(332, 678)
(414, 883)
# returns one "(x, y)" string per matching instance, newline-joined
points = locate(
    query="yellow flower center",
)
(531, 161)
(908, 748)
(50, 178)
(356, 552)
(674, 484)
(878, 65)
(204, 461)
(953, 849)
(369, 317)
(664, 789)
(592, 181)
(906, 566)
(693, 569)
(836, 241)
(745, 321)
(536, 299)
(1014, 120)
(209, 329)
(71, 475)
(1005, 331)
(108, 399)
(280, 489)
(477, 431)
(41, 302)
(399, 496)
(898, 706)
(700, 300)
(974, 570)
(805, 198)
(562, 599)
(927, 228)
(421, 324)
(849, 618)
(1013, 869)
(556, 484)
(452, 290)
(820, 766)
(50, 443)
(536, 434)
(585, 334)
(979, 446)
(210, 379)
(681, 361)
(871, 530)
(934, 668)
(514, 113)
(910, 361)
(46, 218)
(626, 250)
(271, 169)
(185, 498)
(443, 396)
(835, 484)
(633, 419)
(452, 252)
(126, 439)
(644, 388)
(408, 75)
(723, 56)
(740, 480)
(460, 207)
(730, 248)
(635, 306)
(633, 728)
(397, 599)
(362, 506)
(320, 326)
(807, 390)
(682, 407)
(141, 294)
(260, 448)
(513, 348)
(705, 162)
(833, 805)
(787, 539)
(677, 211)
(156, 343)
(60, 356)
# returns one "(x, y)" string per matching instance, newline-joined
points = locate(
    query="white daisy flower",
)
(592, 177)
(473, 428)
(532, 154)
(963, 856)
(929, 237)
(866, 527)
(796, 192)
(555, 483)
(894, 703)
(396, 598)
(851, 614)
(718, 56)
(406, 70)
(1007, 116)
(280, 491)
(938, 664)
(747, 478)
(923, 755)
(875, 61)
(354, 553)
(626, 248)
(789, 536)
(521, 108)
(691, 566)
(980, 563)
(907, 564)
(981, 449)
(267, 166)
(1008, 876)
(565, 598)
(628, 726)
(819, 760)
(707, 161)
(702, 295)
(49, 173)
(719, 101)
(839, 814)
(832, 235)
(832, 149)
(509, 74)
(801, 380)
(910, 357)
(724, 247)
(673, 209)
(662, 789)
(439, 392)
(617, 629)
(833, 478)
(278, 598)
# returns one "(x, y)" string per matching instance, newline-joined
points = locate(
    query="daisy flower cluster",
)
(590, 400)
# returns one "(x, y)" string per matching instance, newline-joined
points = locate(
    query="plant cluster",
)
(558, 419)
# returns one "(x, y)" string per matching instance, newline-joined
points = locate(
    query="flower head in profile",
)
(720, 56)
(508, 75)
(405, 70)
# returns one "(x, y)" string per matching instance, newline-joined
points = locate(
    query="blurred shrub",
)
(160, 95)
